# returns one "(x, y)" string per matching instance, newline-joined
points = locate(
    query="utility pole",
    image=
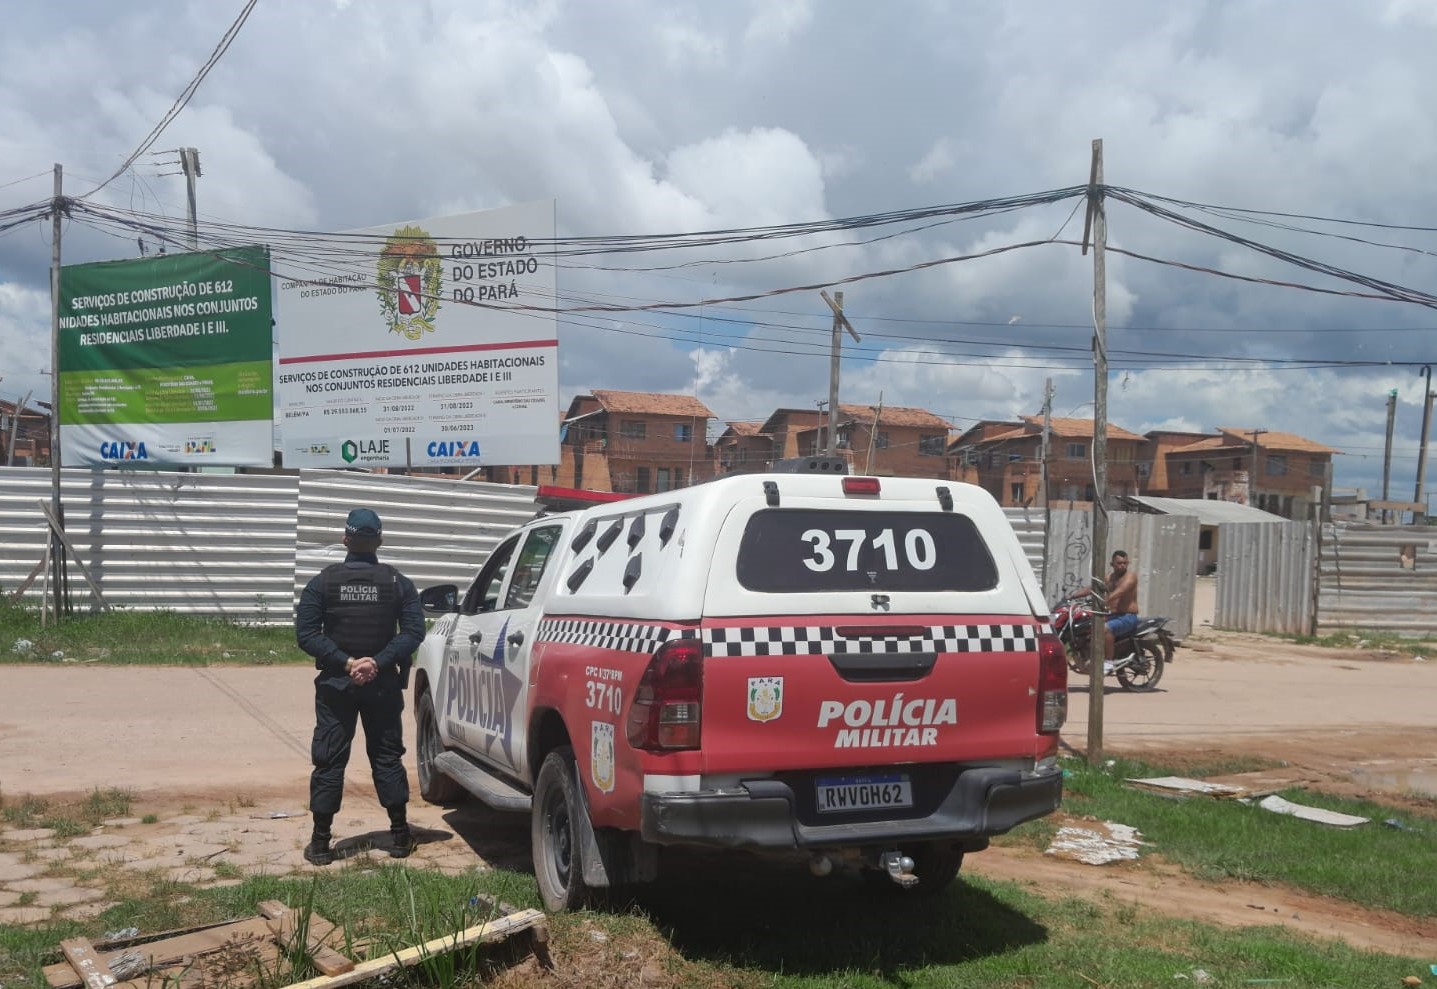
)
(1097, 221)
(1387, 450)
(1043, 473)
(1252, 474)
(190, 162)
(1043, 448)
(840, 323)
(57, 546)
(1419, 514)
(873, 435)
(15, 429)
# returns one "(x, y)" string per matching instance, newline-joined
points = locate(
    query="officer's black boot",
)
(318, 852)
(401, 837)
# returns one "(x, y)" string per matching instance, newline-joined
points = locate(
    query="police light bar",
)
(557, 499)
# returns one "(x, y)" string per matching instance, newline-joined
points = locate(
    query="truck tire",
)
(434, 786)
(558, 853)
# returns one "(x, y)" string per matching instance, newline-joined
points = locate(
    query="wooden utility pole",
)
(190, 163)
(1421, 512)
(1098, 223)
(1043, 473)
(873, 435)
(840, 323)
(1387, 450)
(56, 550)
(1252, 474)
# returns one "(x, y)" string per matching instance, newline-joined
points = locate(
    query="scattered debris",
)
(22, 646)
(1278, 805)
(237, 953)
(1397, 825)
(1099, 844)
(1183, 786)
(276, 815)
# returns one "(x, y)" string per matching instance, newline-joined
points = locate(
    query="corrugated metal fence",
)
(241, 545)
(1163, 549)
(1378, 577)
(1264, 577)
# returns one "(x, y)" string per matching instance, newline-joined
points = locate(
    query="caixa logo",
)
(123, 450)
(454, 449)
(352, 450)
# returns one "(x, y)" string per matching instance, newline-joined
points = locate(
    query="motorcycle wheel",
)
(1144, 670)
(1079, 658)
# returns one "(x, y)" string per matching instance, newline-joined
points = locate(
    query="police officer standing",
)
(361, 621)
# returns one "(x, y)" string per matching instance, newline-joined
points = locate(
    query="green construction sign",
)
(167, 361)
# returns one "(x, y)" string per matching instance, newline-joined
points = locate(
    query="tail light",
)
(1052, 684)
(667, 712)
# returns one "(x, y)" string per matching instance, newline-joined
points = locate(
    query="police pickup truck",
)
(855, 670)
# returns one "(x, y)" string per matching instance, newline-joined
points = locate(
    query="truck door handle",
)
(476, 637)
(516, 638)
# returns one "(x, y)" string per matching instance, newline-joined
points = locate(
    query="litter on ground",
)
(1097, 844)
(1182, 785)
(1278, 805)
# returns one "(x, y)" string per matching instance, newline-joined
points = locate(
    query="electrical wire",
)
(183, 99)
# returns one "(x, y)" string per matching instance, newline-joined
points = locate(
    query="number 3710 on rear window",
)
(852, 549)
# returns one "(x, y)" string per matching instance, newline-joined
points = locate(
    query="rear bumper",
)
(766, 813)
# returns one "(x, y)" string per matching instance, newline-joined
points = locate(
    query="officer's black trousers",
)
(380, 707)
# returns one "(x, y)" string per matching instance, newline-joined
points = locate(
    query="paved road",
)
(223, 729)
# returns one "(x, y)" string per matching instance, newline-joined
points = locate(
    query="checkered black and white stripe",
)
(803, 640)
(790, 640)
(617, 636)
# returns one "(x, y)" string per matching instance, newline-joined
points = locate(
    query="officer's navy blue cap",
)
(363, 522)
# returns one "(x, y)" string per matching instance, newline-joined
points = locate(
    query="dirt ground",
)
(219, 758)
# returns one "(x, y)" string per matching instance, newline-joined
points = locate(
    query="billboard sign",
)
(431, 343)
(167, 361)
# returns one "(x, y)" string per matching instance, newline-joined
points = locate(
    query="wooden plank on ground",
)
(170, 951)
(285, 923)
(92, 969)
(494, 930)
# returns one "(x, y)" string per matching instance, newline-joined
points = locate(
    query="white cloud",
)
(658, 118)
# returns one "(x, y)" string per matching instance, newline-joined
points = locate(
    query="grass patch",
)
(1376, 640)
(1371, 865)
(151, 638)
(759, 928)
(66, 819)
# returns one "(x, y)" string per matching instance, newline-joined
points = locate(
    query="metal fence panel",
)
(436, 530)
(1378, 577)
(1032, 531)
(1264, 577)
(1163, 549)
(156, 540)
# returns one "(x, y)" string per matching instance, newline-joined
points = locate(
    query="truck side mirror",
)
(442, 599)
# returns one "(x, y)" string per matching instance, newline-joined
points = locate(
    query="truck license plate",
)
(847, 794)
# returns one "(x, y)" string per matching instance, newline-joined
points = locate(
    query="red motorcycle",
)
(1138, 659)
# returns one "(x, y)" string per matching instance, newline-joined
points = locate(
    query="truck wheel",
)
(434, 786)
(554, 831)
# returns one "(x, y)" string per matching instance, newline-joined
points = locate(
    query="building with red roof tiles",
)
(1006, 458)
(1267, 469)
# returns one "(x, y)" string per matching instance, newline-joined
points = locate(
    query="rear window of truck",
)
(806, 550)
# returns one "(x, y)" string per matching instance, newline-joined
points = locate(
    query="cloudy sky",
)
(641, 117)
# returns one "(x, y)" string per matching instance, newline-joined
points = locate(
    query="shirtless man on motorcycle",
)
(1121, 602)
